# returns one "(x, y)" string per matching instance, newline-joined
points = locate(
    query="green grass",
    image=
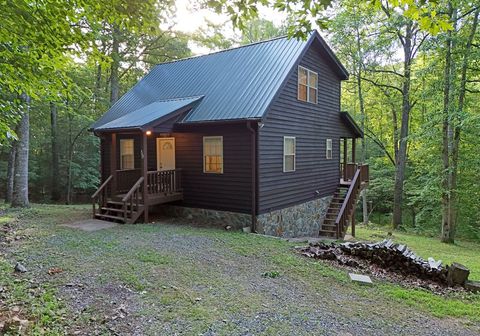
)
(463, 252)
(169, 283)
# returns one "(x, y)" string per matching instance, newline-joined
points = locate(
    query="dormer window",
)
(307, 85)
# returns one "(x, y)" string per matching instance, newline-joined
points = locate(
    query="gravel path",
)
(168, 279)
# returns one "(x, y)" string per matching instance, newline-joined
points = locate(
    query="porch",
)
(127, 193)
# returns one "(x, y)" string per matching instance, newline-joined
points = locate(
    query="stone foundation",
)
(207, 217)
(302, 220)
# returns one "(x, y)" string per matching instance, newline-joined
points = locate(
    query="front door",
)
(165, 153)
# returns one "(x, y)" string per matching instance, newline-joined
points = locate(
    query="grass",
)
(463, 252)
(175, 287)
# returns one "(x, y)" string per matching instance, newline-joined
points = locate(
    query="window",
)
(126, 154)
(329, 149)
(213, 154)
(307, 85)
(288, 154)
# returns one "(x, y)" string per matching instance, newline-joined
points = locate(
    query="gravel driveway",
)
(173, 279)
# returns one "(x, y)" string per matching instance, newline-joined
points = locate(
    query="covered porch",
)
(138, 161)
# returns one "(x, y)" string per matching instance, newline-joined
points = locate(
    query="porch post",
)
(144, 174)
(345, 154)
(353, 223)
(353, 150)
(113, 163)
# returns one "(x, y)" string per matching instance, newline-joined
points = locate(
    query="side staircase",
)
(341, 211)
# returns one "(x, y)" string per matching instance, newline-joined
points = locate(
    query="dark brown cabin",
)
(250, 137)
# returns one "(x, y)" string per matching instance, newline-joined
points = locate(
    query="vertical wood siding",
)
(311, 124)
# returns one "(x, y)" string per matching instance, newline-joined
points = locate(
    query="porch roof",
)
(151, 114)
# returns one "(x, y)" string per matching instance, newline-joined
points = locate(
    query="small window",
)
(307, 85)
(126, 154)
(289, 154)
(329, 149)
(213, 154)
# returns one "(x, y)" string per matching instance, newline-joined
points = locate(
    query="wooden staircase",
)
(329, 228)
(341, 210)
(119, 208)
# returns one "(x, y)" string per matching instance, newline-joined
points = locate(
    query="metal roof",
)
(155, 111)
(238, 83)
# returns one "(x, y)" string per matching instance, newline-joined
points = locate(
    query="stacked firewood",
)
(385, 254)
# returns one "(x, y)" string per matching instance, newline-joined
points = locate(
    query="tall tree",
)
(55, 168)
(20, 180)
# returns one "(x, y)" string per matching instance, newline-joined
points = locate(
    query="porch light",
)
(148, 132)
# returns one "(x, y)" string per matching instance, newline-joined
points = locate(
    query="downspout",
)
(253, 150)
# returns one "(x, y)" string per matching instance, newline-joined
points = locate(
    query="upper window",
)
(213, 154)
(307, 85)
(126, 154)
(289, 154)
(328, 153)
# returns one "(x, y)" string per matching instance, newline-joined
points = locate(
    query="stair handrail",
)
(128, 197)
(343, 213)
(100, 194)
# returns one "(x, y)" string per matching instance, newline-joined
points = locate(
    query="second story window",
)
(307, 85)
(126, 154)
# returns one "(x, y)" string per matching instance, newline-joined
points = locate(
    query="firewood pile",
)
(391, 257)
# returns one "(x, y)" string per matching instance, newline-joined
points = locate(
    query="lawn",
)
(167, 279)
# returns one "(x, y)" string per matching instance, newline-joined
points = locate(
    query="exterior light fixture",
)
(148, 132)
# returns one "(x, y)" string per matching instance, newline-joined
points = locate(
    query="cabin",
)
(251, 137)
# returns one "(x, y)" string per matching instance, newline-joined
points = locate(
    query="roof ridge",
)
(224, 50)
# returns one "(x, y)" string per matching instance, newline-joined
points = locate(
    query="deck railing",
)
(348, 171)
(100, 196)
(166, 181)
(126, 179)
(132, 198)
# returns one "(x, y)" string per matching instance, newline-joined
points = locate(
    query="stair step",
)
(112, 209)
(121, 203)
(328, 227)
(110, 217)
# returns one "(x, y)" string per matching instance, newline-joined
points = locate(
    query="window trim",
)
(327, 149)
(133, 153)
(294, 153)
(203, 154)
(307, 85)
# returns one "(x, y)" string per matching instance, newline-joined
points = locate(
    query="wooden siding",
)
(230, 191)
(311, 124)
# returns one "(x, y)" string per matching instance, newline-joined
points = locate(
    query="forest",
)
(414, 87)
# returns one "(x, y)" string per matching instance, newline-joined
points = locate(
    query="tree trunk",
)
(446, 136)
(55, 173)
(20, 180)
(402, 148)
(114, 78)
(11, 172)
(455, 145)
(363, 115)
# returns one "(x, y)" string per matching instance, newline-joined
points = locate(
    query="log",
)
(457, 274)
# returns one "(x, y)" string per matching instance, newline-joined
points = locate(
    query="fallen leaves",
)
(55, 270)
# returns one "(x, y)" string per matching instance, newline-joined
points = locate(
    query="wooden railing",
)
(166, 181)
(100, 196)
(348, 206)
(132, 198)
(126, 178)
(348, 171)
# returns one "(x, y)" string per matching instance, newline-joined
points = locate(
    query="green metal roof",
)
(151, 113)
(238, 83)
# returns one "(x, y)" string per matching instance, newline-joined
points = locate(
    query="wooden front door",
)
(165, 153)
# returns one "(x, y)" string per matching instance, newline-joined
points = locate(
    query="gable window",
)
(289, 154)
(213, 154)
(126, 154)
(329, 150)
(307, 85)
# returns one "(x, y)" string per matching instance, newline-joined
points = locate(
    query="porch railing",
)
(127, 178)
(348, 206)
(166, 181)
(100, 196)
(348, 171)
(132, 198)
